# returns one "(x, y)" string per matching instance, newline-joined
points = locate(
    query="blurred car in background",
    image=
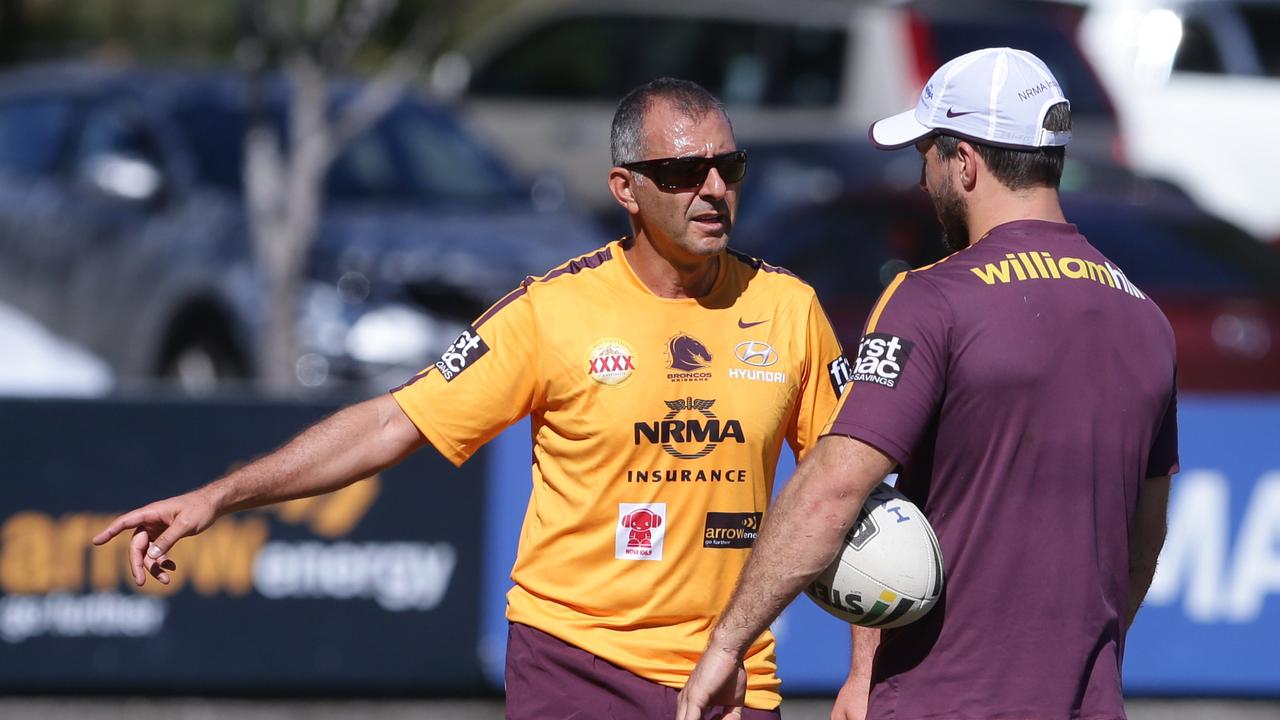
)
(123, 228)
(1197, 85)
(543, 82)
(850, 218)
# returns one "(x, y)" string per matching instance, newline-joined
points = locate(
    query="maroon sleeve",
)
(900, 369)
(1163, 459)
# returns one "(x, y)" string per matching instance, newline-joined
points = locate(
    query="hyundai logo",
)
(754, 352)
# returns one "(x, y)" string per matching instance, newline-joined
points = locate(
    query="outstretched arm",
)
(353, 443)
(800, 537)
(1148, 539)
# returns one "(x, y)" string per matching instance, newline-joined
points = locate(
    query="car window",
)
(366, 170)
(32, 133)
(1177, 252)
(848, 249)
(813, 60)
(743, 63)
(441, 162)
(411, 154)
(955, 36)
(214, 132)
(538, 65)
(1263, 22)
(1198, 51)
(109, 130)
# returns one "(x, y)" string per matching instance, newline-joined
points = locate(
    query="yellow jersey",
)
(657, 425)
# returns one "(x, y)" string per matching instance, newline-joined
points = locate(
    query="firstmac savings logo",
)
(841, 374)
(689, 439)
(461, 354)
(611, 362)
(640, 531)
(881, 359)
(731, 530)
(689, 358)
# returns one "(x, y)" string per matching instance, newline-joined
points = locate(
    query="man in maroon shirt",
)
(1025, 388)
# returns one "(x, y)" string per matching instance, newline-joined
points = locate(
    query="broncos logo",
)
(687, 353)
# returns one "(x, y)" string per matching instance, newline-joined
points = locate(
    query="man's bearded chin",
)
(953, 215)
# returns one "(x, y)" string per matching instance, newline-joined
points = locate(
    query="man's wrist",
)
(721, 642)
(217, 495)
(858, 680)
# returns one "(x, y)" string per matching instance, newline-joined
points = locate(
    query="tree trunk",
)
(284, 190)
(280, 342)
(284, 195)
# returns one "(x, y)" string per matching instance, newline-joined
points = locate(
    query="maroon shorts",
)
(549, 679)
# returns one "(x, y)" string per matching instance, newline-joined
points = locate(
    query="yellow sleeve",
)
(825, 377)
(484, 381)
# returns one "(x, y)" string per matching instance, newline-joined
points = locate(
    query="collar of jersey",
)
(722, 274)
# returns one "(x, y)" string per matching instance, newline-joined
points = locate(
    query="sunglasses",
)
(691, 172)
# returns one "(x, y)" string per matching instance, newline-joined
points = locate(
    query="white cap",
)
(997, 96)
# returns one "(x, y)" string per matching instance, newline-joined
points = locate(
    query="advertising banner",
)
(397, 583)
(1210, 624)
(1211, 621)
(373, 588)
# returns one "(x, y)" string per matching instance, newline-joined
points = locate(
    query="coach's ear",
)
(622, 183)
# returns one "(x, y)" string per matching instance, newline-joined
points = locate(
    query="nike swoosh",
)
(951, 113)
(745, 325)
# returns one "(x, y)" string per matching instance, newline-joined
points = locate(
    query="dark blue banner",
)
(371, 589)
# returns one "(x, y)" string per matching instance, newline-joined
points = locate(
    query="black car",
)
(123, 228)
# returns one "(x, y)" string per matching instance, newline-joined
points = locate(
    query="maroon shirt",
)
(1026, 388)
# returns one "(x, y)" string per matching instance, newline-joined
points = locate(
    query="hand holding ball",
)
(889, 571)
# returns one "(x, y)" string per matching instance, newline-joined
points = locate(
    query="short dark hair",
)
(1019, 169)
(626, 137)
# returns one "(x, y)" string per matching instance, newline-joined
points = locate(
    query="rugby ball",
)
(889, 571)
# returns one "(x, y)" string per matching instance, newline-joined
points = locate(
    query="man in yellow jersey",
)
(661, 372)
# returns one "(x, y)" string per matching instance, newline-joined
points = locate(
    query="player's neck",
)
(671, 277)
(1005, 206)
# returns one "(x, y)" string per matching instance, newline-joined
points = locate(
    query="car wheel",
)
(203, 364)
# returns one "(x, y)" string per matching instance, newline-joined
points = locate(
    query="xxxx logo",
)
(610, 362)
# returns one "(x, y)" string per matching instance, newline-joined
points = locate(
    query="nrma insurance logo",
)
(689, 430)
